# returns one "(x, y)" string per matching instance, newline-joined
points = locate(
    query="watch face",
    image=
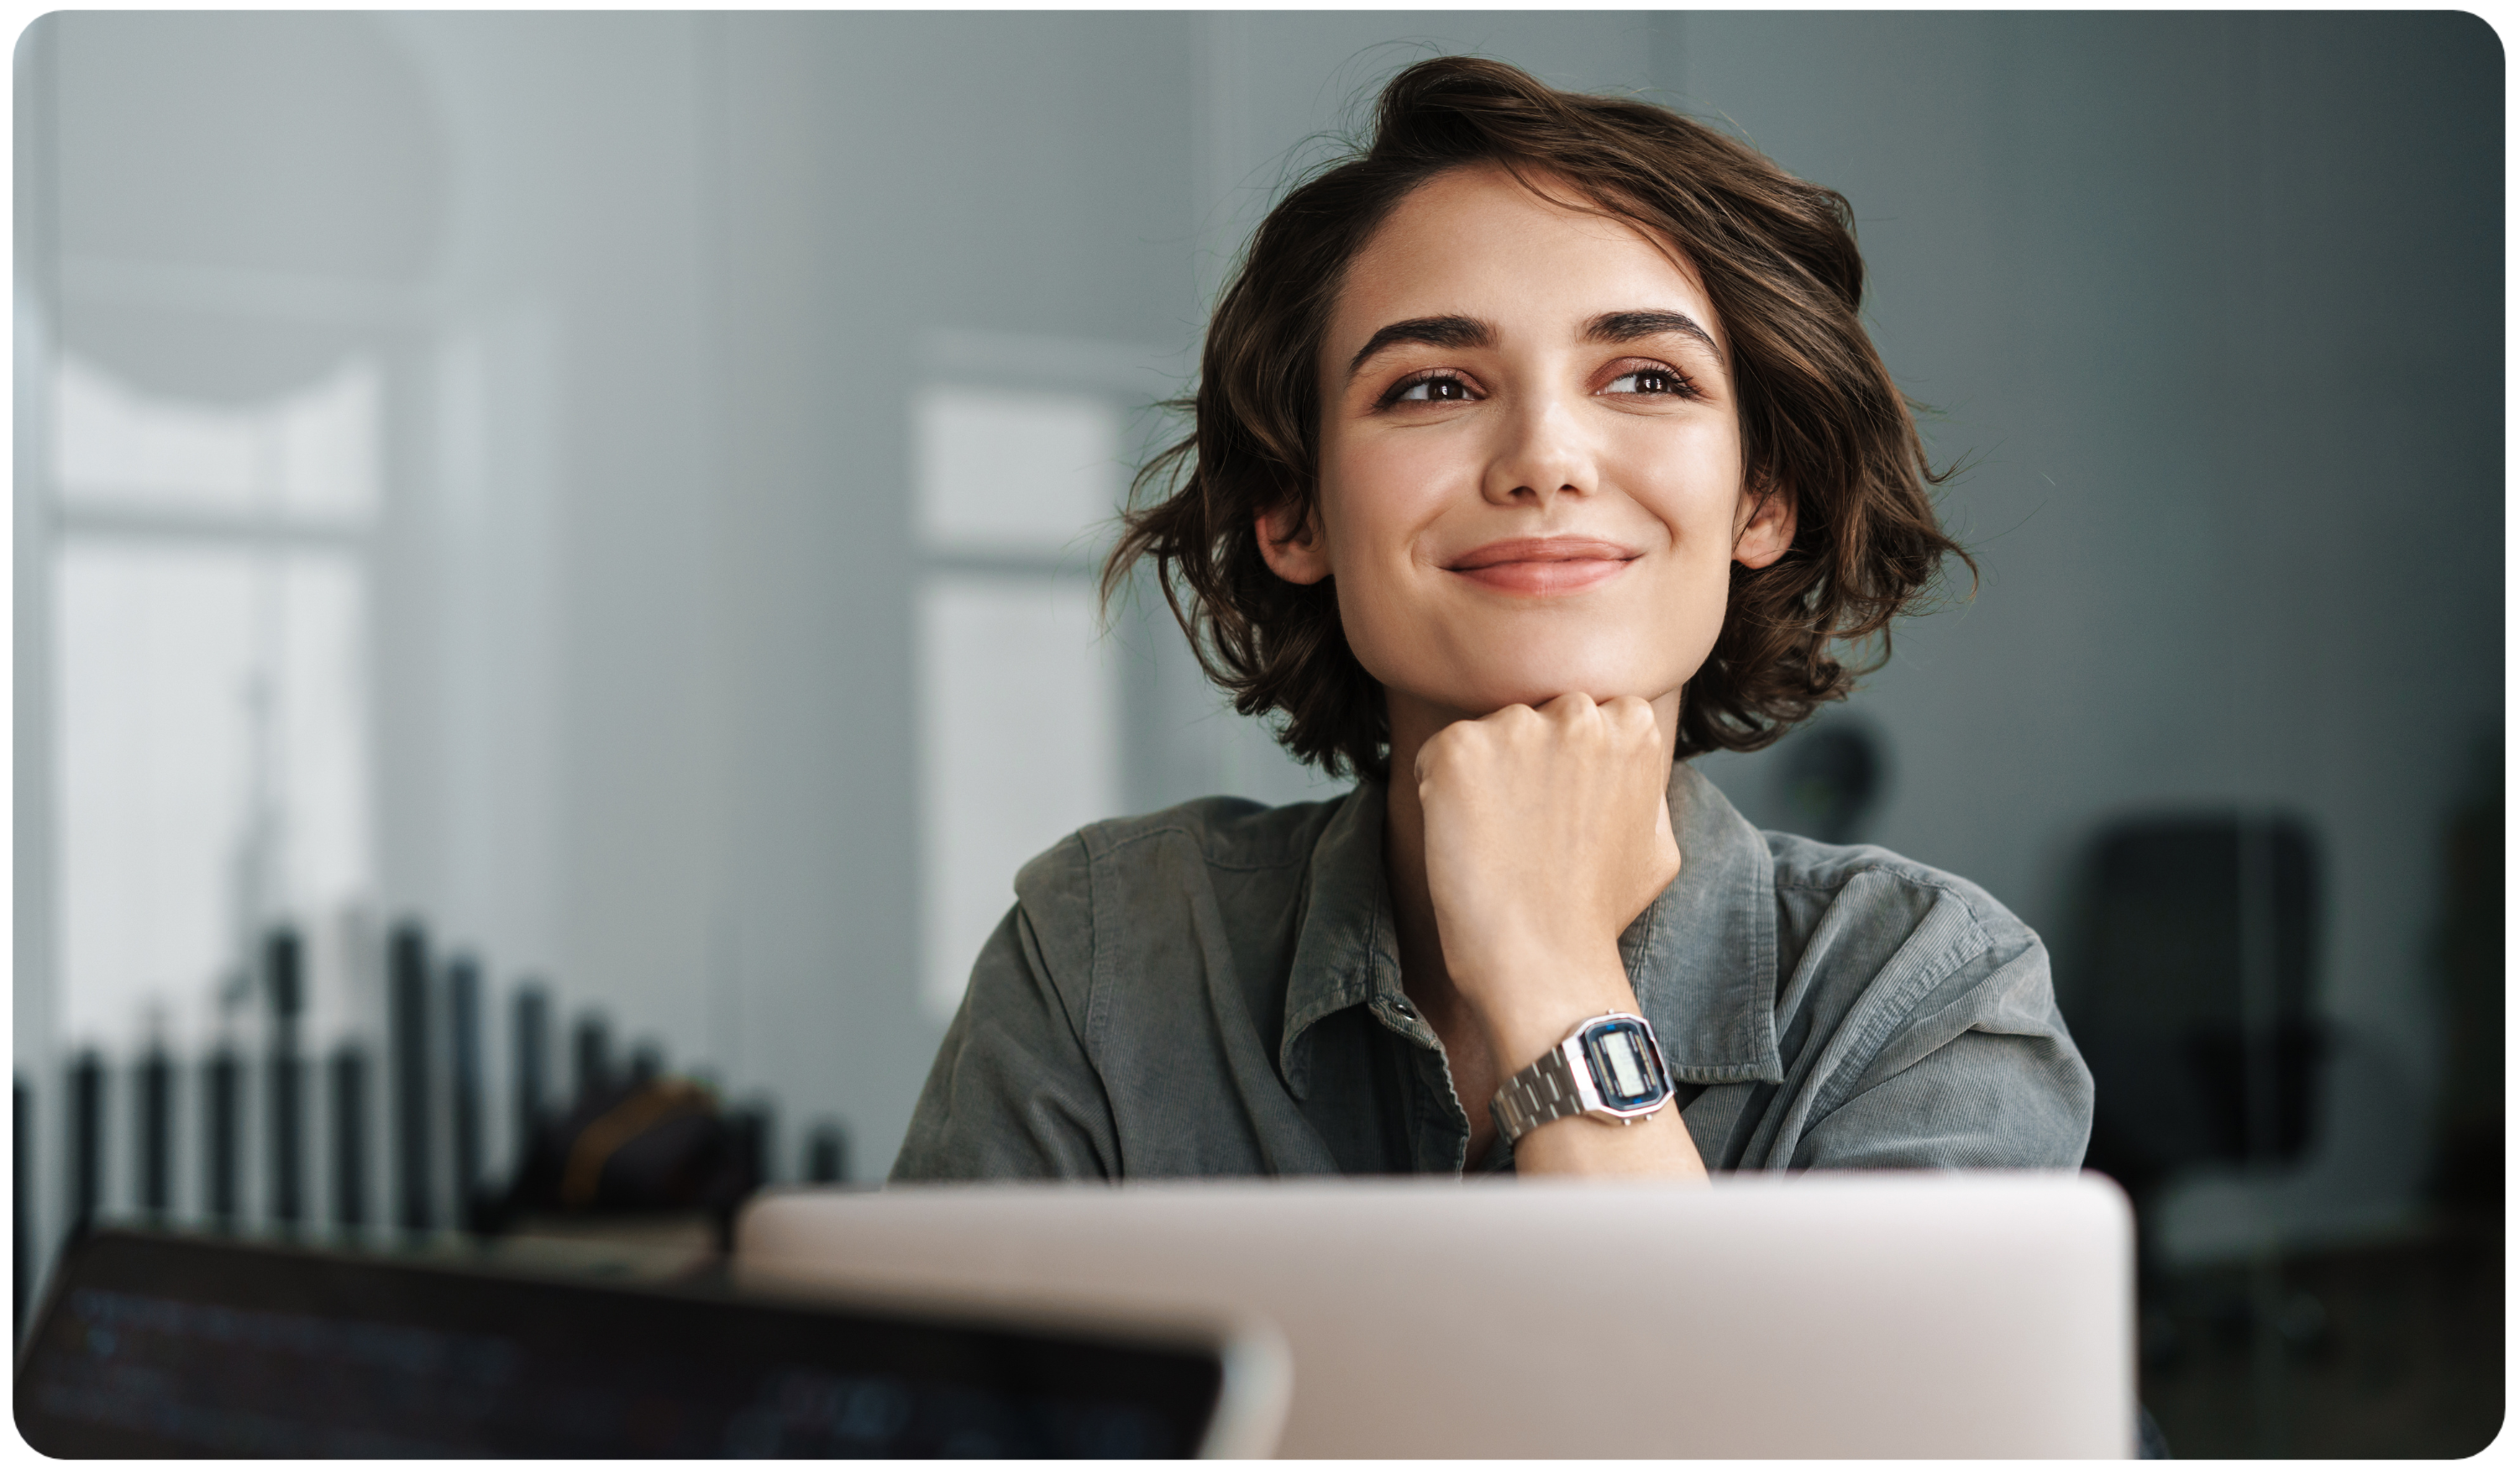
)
(1624, 1064)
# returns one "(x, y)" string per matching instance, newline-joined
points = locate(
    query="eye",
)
(1435, 388)
(1653, 380)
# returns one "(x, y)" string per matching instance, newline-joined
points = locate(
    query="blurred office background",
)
(619, 493)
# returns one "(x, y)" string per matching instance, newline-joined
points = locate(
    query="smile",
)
(1545, 566)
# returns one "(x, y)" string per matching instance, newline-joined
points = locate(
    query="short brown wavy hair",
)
(1820, 419)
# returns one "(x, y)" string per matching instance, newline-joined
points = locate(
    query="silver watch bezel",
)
(1587, 1090)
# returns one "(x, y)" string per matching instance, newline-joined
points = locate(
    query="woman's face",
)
(1531, 466)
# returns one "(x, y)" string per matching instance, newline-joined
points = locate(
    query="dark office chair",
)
(2191, 1000)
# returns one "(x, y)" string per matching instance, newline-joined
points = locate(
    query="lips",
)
(1544, 565)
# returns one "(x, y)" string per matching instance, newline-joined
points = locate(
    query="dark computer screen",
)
(162, 1344)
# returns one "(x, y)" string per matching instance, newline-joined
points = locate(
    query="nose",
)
(1542, 454)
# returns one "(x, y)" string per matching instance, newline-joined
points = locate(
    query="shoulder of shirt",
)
(1878, 876)
(1225, 831)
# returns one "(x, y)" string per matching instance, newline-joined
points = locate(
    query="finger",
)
(1631, 719)
(1510, 717)
(1568, 708)
(1439, 750)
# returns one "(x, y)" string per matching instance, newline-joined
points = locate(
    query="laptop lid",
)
(1822, 1314)
(153, 1344)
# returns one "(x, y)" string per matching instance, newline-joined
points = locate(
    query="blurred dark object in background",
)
(2467, 1172)
(641, 1159)
(2192, 1005)
(2192, 1008)
(645, 1145)
(826, 1154)
(1831, 777)
(2381, 1350)
(87, 1137)
(2191, 998)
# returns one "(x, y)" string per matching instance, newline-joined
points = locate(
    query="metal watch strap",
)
(1542, 1092)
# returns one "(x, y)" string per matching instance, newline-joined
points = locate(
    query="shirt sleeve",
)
(1012, 1093)
(1980, 1074)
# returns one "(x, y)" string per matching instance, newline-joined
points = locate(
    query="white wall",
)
(570, 733)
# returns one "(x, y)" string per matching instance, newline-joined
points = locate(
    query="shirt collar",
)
(1347, 949)
(1701, 959)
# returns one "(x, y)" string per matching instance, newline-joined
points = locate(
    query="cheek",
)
(1698, 618)
(1368, 573)
(1692, 485)
(1379, 493)
(1383, 480)
(1370, 509)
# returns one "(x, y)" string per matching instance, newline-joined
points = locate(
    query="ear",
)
(1769, 531)
(1292, 541)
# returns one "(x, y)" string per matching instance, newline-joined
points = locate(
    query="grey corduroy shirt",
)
(1215, 990)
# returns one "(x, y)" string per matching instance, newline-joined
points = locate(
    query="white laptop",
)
(1821, 1314)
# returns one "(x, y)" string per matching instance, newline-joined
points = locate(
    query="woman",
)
(1535, 447)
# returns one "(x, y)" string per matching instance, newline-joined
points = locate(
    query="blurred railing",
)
(437, 1116)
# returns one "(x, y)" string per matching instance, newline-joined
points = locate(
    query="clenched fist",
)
(1547, 832)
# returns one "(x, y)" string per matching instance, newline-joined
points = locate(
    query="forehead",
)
(1476, 242)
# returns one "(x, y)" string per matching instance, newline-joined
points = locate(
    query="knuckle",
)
(1517, 723)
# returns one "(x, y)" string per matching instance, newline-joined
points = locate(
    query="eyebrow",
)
(1609, 328)
(1434, 332)
(1613, 327)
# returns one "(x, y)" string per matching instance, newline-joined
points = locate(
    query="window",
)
(1019, 698)
(210, 625)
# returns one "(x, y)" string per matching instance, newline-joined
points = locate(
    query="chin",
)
(1537, 680)
(1478, 669)
(1531, 661)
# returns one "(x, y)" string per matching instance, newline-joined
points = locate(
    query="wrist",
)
(1609, 1070)
(1528, 1001)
